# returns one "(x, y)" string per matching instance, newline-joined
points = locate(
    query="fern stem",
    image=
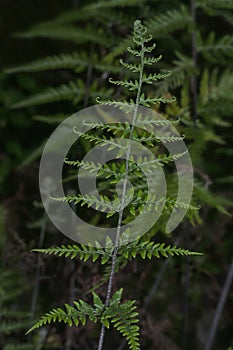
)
(114, 257)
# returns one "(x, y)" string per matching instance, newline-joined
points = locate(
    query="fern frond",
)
(74, 315)
(169, 21)
(67, 32)
(74, 61)
(131, 85)
(149, 79)
(71, 315)
(125, 319)
(152, 60)
(130, 66)
(82, 252)
(217, 50)
(148, 101)
(122, 105)
(62, 61)
(164, 139)
(144, 249)
(72, 91)
(90, 166)
(103, 203)
(104, 141)
(155, 122)
(150, 249)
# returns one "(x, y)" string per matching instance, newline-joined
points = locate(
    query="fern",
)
(122, 316)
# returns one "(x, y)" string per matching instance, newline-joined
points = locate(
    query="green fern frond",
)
(125, 319)
(144, 249)
(67, 32)
(71, 315)
(149, 79)
(103, 203)
(122, 105)
(74, 61)
(72, 91)
(131, 85)
(169, 21)
(62, 61)
(150, 249)
(130, 66)
(217, 50)
(74, 315)
(111, 143)
(82, 252)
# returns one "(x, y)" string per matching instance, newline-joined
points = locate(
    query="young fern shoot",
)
(112, 312)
